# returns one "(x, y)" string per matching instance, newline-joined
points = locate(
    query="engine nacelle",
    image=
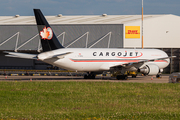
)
(150, 69)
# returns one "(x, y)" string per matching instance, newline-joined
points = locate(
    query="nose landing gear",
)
(158, 76)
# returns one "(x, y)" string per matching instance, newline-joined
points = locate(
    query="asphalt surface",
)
(139, 79)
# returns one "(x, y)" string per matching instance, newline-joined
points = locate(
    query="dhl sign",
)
(132, 32)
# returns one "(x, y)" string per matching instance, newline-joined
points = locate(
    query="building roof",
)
(60, 19)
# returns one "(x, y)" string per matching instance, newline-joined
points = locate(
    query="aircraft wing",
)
(139, 63)
(20, 55)
(152, 60)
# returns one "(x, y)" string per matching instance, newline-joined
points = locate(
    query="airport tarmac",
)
(139, 79)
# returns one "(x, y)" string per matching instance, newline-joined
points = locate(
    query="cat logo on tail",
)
(46, 33)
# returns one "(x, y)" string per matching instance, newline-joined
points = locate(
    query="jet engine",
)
(150, 69)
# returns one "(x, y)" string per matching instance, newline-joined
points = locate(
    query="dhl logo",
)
(132, 32)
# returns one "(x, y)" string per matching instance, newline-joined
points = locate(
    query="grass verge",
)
(89, 100)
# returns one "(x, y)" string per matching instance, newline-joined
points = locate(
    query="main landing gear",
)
(121, 77)
(89, 76)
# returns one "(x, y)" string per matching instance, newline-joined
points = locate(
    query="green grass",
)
(89, 100)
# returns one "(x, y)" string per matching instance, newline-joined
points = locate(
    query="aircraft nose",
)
(168, 61)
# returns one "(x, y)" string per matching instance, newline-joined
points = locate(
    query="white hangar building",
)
(19, 33)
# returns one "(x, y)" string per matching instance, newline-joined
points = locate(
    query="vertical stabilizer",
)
(49, 40)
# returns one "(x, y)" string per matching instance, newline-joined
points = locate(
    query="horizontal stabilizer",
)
(61, 55)
(45, 56)
(20, 55)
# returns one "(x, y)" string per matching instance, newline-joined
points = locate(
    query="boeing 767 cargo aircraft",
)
(94, 60)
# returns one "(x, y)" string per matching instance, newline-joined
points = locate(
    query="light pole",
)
(142, 42)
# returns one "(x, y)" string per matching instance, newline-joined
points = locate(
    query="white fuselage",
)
(101, 59)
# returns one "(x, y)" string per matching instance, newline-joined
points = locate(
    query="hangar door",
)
(26, 37)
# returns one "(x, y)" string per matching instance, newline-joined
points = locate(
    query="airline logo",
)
(132, 32)
(46, 33)
(126, 54)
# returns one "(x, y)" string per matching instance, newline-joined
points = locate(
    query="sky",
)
(88, 7)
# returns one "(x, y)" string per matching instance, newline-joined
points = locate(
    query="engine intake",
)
(150, 69)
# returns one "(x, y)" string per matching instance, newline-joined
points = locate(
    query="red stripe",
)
(132, 57)
(113, 60)
(160, 61)
(104, 60)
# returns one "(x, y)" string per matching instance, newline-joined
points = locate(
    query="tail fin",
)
(49, 40)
